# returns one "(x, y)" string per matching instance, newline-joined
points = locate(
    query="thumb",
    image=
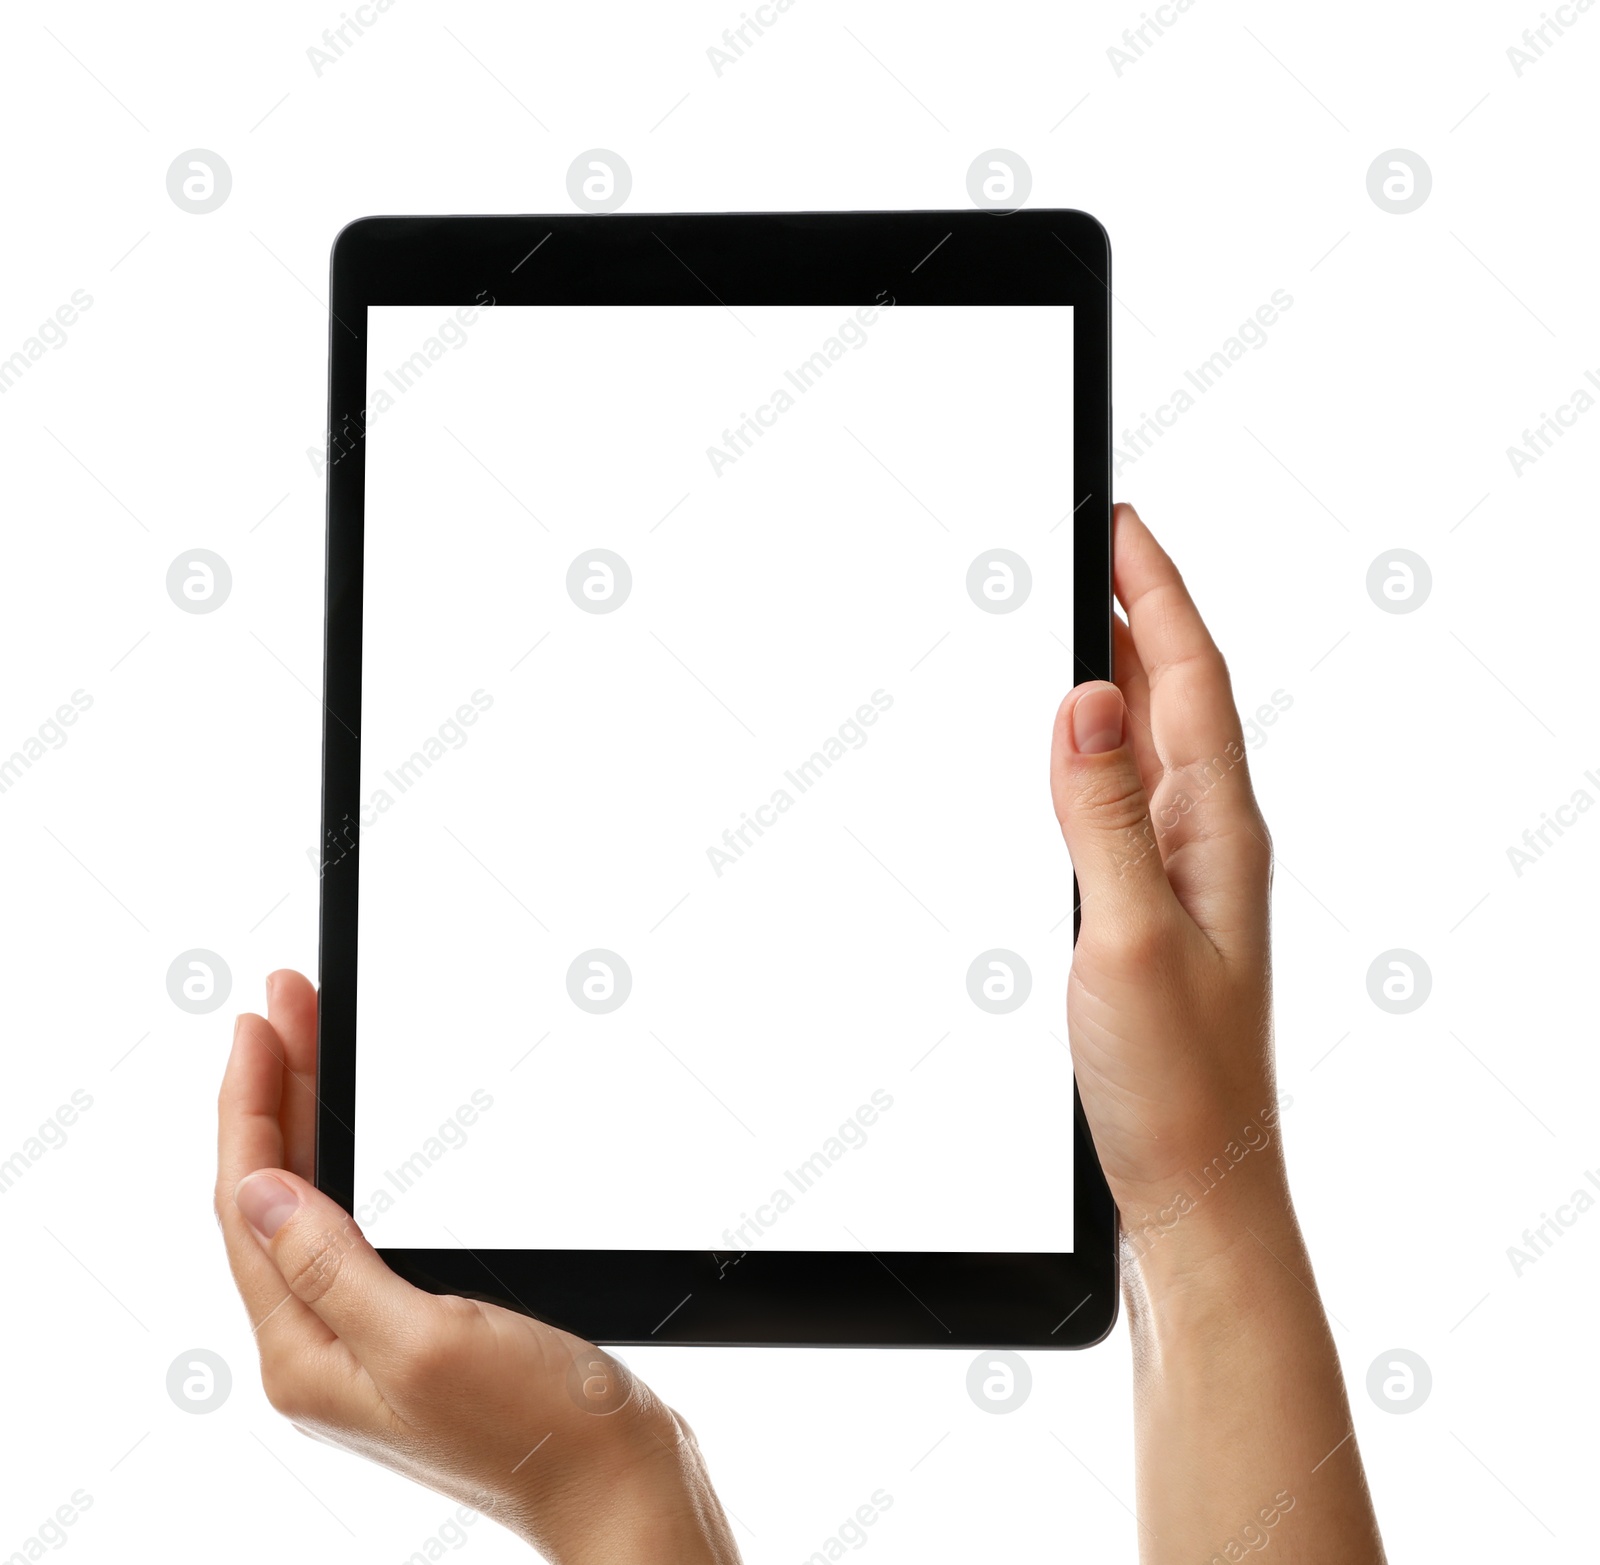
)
(327, 1264)
(1104, 812)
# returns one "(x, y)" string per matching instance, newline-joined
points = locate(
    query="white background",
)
(766, 606)
(1228, 162)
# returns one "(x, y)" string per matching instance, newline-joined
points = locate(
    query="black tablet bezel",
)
(773, 1298)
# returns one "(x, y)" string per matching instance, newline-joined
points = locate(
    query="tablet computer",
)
(695, 921)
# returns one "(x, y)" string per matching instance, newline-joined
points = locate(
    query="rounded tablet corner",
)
(1098, 239)
(349, 238)
(1114, 1309)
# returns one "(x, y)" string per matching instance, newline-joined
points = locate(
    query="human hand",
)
(484, 1405)
(1244, 1428)
(1169, 1004)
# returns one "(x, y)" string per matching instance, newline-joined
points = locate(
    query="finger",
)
(326, 1262)
(1214, 843)
(1192, 714)
(1104, 812)
(249, 1136)
(1134, 684)
(249, 1133)
(292, 1010)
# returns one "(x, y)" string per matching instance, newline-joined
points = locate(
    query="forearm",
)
(1244, 1436)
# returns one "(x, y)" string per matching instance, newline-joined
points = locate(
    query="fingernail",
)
(1097, 720)
(272, 985)
(266, 1202)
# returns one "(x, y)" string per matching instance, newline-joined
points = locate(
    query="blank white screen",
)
(798, 1064)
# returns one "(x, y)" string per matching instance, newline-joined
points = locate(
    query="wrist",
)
(1213, 1255)
(648, 1499)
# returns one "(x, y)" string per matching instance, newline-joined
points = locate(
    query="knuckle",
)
(431, 1357)
(654, 1421)
(1114, 799)
(312, 1265)
(1144, 942)
(284, 1387)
